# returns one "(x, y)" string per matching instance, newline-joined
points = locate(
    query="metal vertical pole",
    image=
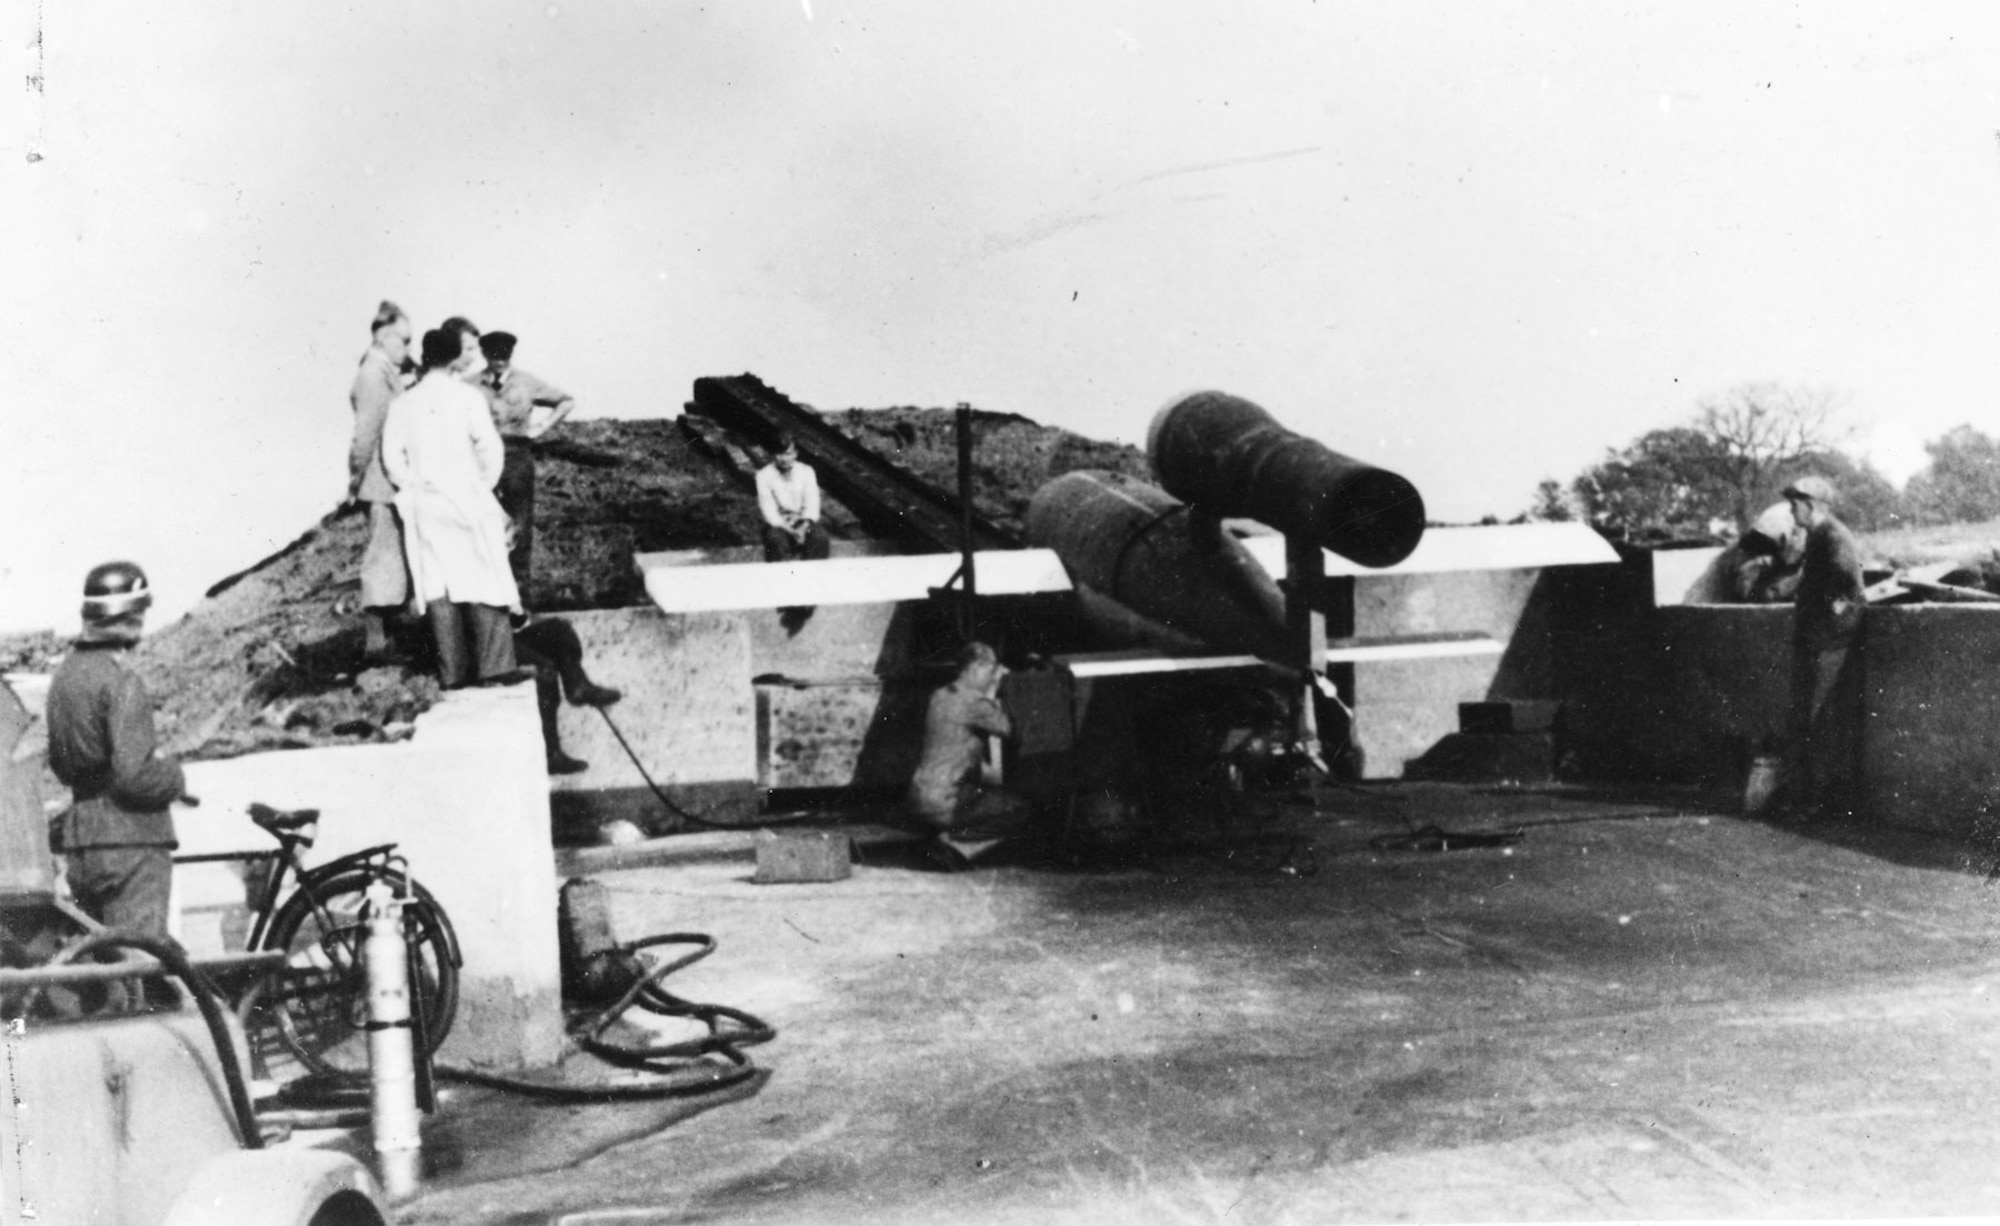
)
(1305, 631)
(970, 589)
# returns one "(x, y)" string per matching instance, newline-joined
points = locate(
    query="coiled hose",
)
(681, 1068)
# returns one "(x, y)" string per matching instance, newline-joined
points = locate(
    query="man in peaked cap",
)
(1821, 737)
(524, 408)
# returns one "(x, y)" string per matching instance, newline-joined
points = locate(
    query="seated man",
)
(788, 499)
(550, 647)
(946, 792)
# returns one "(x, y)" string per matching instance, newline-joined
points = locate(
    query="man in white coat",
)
(441, 451)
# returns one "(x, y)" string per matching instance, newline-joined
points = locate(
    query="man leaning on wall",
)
(1822, 731)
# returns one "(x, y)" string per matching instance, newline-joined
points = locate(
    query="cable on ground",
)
(707, 823)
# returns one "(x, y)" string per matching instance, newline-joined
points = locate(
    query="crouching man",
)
(946, 792)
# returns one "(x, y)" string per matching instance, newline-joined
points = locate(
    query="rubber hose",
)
(700, 1075)
(704, 822)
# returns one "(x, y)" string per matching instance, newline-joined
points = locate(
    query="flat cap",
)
(1818, 489)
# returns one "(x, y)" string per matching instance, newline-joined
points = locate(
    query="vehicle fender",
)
(280, 1187)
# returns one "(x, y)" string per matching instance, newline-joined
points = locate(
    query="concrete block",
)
(467, 799)
(802, 855)
(853, 732)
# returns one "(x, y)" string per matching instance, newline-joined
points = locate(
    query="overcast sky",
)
(1477, 243)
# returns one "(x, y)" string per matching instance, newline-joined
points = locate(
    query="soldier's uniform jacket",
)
(102, 744)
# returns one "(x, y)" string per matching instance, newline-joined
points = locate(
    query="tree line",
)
(1713, 473)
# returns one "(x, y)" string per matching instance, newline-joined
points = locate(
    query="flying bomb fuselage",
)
(1161, 552)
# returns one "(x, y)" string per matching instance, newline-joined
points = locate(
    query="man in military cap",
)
(117, 834)
(524, 408)
(1820, 736)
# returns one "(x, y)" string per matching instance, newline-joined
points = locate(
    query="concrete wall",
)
(837, 641)
(468, 801)
(1725, 688)
(1930, 748)
(839, 717)
(856, 732)
(1404, 708)
(713, 738)
(687, 714)
(1687, 692)
(851, 724)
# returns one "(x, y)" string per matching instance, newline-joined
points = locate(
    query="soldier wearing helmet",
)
(1820, 739)
(117, 834)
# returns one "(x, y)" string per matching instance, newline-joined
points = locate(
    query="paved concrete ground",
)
(1641, 1009)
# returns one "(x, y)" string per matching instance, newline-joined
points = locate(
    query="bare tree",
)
(1763, 428)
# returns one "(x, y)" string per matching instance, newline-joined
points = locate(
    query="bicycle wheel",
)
(317, 1003)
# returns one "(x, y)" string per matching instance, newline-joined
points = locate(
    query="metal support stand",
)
(968, 625)
(1305, 635)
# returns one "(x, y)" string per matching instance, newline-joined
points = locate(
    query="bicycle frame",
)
(381, 859)
(278, 909)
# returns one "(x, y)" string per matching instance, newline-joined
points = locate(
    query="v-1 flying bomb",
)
(1156, 560)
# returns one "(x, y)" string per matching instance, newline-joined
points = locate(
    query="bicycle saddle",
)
(276, 820)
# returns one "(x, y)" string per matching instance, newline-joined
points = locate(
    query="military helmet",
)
(114, 590)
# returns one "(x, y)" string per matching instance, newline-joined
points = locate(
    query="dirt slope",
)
(271, 657)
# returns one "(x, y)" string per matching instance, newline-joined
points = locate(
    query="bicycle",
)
(315, 1005)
